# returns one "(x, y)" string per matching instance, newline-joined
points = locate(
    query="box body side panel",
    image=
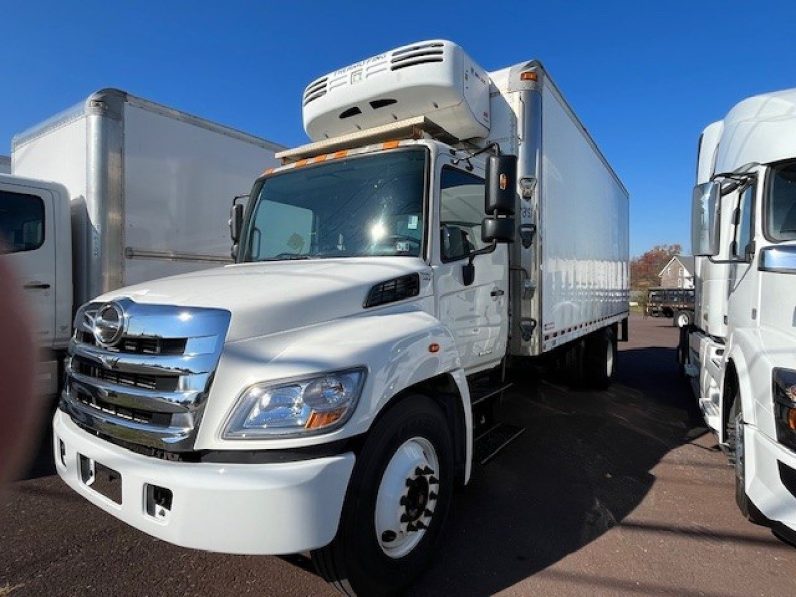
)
(179, 181)
(584, 231)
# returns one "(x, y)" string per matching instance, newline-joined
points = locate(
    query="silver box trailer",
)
(570, 273)
(115, 191)
(150, 186)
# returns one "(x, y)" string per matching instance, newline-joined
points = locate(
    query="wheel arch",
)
(449, 391)
(735, 378)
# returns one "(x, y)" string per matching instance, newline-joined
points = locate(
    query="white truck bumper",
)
(231, 508)
(764, 484)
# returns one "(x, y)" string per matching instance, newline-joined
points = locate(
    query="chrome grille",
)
(164, 383)
(150, 386)
(139, 345)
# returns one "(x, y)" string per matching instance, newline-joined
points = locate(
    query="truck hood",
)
(271, 297)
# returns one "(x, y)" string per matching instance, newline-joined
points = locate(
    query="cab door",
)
(477, 313)
(27, 244)
(743, 288)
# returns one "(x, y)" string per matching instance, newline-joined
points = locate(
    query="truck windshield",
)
(360, 206)
(781, 204)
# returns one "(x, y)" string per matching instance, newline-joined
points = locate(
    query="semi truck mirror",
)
(501, 185)
(236, 222)
(497, 230)
(705, 219)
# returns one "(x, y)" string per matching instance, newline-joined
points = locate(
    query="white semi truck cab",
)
(739, 352)
(329, 390)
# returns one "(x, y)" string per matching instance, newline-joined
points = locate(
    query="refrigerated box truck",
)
(115, 191)
(740, 352)
(329, 390)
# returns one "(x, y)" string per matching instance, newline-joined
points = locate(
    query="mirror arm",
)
(482, 251)
(495, 147)
(468, 270)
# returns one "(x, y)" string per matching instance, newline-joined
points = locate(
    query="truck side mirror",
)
(705, 219)
(236, 222)
(501, 185)
(498, 230)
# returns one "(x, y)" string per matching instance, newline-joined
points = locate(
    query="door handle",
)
(497, 292)
(37, 284)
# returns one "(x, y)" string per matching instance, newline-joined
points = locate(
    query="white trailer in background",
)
(134, 191)
(740, 353)
(328, 390)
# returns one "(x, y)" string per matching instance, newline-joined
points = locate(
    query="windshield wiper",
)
(286, 257)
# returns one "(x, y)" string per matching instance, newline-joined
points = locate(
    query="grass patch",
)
(7, 589)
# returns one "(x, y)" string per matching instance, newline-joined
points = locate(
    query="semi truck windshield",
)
(781, 204)
(360, 206)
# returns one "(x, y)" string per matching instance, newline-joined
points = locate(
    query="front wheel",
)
(396, 503)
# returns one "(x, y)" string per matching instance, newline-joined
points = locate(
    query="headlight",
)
(296, 406)
(784, 389)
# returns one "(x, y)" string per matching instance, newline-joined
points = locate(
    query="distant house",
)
(678, 273)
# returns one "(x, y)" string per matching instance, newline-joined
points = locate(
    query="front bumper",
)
(230, 508)
(764, 484)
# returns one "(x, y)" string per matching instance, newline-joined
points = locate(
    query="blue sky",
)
(645, 77)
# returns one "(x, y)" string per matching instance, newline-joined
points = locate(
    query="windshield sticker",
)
(412, 225)
(295, 242)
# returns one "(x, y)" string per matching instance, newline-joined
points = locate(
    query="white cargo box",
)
(436, 79)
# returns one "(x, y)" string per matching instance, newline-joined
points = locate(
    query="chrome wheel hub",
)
(407, 497)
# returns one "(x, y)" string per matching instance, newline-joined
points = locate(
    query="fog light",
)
(158, 501)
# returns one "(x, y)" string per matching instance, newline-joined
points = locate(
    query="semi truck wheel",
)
(396, 503)
(599, 359)
(735, 441)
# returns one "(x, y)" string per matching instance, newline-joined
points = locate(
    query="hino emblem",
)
(108, 324)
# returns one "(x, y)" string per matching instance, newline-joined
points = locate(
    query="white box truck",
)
(329, 390)
(139, 191)
(740, 352)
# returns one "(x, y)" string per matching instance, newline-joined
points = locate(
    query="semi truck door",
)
(744, 281)
(27, 244)
(476, 313)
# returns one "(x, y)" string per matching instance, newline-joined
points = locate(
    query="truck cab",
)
(329, 390)
(740, 350)
(35, 240)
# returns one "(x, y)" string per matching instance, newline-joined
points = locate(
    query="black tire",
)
(682, 352)
(738, 460)
(354, 562)
(599, 359)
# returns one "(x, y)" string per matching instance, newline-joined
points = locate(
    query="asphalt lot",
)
(617, 492)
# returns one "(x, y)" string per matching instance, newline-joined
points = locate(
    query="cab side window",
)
(743, 221)
(21, 222)
(461, 213)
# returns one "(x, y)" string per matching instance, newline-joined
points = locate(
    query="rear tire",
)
(599, 359)
(396, 504)
(735, 441)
